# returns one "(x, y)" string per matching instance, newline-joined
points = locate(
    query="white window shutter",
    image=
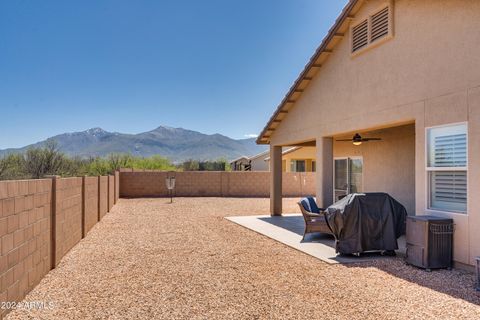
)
(449, 190)
(450, 151)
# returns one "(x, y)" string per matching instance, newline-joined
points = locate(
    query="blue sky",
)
(215, 66)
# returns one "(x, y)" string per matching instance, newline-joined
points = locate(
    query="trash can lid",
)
(430, 218)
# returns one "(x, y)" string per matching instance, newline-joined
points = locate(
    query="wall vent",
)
(380, 24)
(376, 27)
(360, 36)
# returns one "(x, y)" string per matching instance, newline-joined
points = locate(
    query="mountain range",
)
(177, 144)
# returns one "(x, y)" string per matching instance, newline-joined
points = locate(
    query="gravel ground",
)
(149, 259)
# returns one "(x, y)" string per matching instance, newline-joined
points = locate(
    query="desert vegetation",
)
(48, 160)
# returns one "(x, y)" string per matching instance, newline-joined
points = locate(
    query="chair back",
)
(309, 204)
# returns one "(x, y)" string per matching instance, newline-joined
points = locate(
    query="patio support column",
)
(275, 180)
(324, 176)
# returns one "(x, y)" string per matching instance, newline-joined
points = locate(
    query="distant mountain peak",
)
(177, 144)
(168, 128)
(91, 132)
(95, 131)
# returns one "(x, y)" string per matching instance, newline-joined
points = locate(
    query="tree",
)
(117, 161)
(191, 165)
(44, 161)
(3, 167)
(11, 167)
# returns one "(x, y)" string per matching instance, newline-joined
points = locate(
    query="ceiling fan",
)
(357, 139)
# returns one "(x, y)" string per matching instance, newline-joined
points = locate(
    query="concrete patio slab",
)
(288, 229)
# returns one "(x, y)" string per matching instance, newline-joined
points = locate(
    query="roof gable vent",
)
(374, 29)
(360, 36)
(380, 24)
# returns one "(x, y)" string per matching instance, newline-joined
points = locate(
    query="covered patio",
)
(384, 164)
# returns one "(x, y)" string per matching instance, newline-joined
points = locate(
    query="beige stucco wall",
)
(305, 153)
(429, 73)
(259, 163)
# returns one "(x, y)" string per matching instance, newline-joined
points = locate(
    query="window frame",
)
(295, 162)
(368, 18)
(429, 170)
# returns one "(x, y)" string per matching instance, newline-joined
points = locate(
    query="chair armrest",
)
(315, 215)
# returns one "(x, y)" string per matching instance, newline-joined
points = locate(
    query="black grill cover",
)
(366, 222)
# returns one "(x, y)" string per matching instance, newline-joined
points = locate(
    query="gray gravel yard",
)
(149, 259)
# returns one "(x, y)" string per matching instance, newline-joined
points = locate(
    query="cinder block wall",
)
(213, 184)
(117, 186)
(25, 217)
(40, 221)
(255, 184)
(111, 192)
(143, 184)
(68, 215)
(90, 203)
(197, 184)
(103, 196)
(298, 184)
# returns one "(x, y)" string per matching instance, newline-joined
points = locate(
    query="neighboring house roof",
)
(310, 70)
(287, 151)
(240, 158)
(252, 157)
(263, 154)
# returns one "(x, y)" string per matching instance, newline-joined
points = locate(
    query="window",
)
(447, 168)
(368, 31)
(314, 166)
(297, 166)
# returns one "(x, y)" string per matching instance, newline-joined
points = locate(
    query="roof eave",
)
(322, 48)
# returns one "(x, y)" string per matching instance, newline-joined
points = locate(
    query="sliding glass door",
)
(340, 178)
(347, 176)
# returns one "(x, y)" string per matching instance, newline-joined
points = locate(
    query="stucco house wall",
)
(306, 153)
(259, 163)
(427, 74)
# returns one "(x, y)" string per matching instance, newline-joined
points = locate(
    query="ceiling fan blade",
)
(344, 140)
(371, 139)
